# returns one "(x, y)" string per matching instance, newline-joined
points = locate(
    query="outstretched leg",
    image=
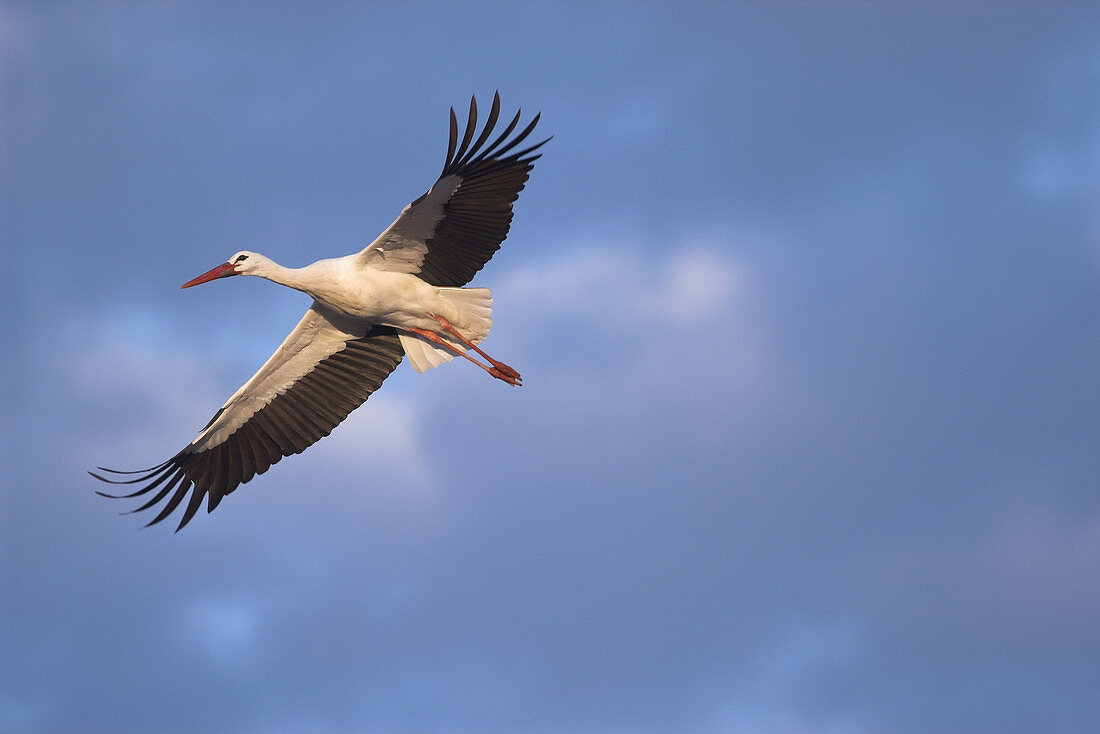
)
(507, 374)
(450, 329)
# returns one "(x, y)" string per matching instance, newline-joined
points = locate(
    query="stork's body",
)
(400, 296)
(377, 297)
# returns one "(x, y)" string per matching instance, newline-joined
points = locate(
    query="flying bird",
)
(401, 296)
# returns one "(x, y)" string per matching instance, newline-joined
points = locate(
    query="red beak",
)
(222, 271)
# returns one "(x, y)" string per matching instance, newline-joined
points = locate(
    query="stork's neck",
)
(308, 279)
(290, 277)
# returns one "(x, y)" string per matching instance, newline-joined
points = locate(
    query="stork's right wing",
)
(327, 366)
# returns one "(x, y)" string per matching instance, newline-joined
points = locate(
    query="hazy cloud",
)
(806, 316)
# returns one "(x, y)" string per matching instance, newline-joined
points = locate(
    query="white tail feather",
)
(469, 310)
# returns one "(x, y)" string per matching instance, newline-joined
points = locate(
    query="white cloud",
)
(766, 698)
(1029, 572)
(621, 285)
(700, 284)
(1061, 154)
(171, 393)
(693, 308)
(226, 631)
(1037, 566)
(16, 36)
(803, 650)
(384, 438)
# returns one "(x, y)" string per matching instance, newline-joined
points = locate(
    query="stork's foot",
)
(498, 370)
(502, 371)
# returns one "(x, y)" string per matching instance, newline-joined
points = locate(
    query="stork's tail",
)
(470, 310)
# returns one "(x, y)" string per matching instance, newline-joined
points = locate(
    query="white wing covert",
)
(326, 367)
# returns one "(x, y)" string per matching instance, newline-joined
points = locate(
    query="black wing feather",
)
(477, 217)
(287, 425)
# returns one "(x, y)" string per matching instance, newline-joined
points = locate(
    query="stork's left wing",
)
(327, 366)
(450, 232)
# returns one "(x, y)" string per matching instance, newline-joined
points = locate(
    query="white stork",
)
(400, 296)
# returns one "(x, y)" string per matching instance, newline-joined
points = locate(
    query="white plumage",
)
(400, 296)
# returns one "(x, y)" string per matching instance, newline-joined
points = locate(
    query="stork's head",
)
(242, 263)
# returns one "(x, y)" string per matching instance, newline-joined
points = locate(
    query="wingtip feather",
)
(452, 141)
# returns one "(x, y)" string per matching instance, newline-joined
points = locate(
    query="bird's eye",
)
(241, 258)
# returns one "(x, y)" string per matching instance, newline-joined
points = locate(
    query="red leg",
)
(450, 329)
(512, 377)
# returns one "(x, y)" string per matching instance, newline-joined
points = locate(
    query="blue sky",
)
(806, 301)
